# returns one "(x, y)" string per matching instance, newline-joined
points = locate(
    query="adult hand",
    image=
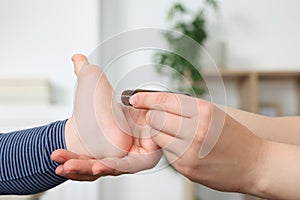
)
(143, 154)
(180, 126)
(80, 167)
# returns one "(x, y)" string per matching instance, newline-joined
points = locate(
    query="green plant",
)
(193, 25)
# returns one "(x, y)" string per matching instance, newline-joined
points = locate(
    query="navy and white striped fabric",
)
(25, 165)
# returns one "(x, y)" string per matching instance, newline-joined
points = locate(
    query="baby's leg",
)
(99, 127)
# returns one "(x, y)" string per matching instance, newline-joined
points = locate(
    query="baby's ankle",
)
(73, 141)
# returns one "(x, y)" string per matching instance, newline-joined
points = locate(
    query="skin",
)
(240, 161)
(270, 128)
(111, 135)
(254, 154)
(136, 151)
(224, 168)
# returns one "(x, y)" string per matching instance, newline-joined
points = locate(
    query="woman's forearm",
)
(279, 173)
(278, 129)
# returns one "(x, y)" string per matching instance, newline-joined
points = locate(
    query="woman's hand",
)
(143, 154)
(80, 167)
(180, 126)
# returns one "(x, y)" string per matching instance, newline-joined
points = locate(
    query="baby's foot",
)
(98, 126)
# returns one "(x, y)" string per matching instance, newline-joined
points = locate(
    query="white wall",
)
(262, 34)
(258, 34)
(40, 36)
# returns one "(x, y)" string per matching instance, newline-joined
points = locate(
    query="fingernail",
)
(133, 99)
(95, 172)
(60, 170)
(60, 160)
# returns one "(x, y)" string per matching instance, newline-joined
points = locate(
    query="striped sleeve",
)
(25, 165)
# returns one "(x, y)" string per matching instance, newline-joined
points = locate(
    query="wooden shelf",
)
(249, 83)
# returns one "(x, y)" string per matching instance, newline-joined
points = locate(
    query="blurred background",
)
(254, 41)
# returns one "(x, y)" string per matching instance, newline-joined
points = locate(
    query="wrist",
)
(256, 182)
(279, 172)
(259, 181)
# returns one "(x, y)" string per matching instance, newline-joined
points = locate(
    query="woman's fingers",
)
(84, 170)
(76, 176)
(62, 155)
(170, 143)
(170, 102)
(171, 157)
(79, 166)
(136, 121)
(134, 162)
(171, 124)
